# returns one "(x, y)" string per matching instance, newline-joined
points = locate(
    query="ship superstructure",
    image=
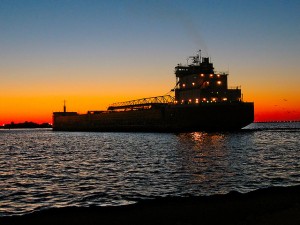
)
(198, 83)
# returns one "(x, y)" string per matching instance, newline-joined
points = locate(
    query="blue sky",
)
(148, 24)
(113, 26)
(82, 45)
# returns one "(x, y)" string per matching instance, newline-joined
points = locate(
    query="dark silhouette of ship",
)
(202, 102)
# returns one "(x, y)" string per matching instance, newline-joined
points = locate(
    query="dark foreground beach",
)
(276, 205)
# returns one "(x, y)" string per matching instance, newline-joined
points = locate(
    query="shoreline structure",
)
(273, 205)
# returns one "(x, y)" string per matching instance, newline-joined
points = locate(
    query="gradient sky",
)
(93, 53)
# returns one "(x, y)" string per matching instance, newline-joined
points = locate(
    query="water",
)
(41, 169)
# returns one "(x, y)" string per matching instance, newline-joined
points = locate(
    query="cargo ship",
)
(201, 101)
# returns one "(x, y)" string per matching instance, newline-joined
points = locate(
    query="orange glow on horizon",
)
(276, 116)
(34, 102)
(280, 111)
(40, 109)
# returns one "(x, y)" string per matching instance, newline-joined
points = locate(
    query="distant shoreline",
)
(26, 124)
(29, 125)
(286, 121)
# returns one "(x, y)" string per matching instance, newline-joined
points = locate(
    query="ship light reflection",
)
(203, 152)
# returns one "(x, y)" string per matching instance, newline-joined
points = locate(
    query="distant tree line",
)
(26, 124)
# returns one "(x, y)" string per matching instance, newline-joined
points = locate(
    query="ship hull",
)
(167, 118)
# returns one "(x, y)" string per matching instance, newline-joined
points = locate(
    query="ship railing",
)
(222, 72)
(165, 99)
(235, 87)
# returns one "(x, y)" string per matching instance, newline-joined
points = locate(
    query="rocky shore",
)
(275, 205)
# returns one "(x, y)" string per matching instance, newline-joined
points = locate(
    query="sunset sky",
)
(93, 53)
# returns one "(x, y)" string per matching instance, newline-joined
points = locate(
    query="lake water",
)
(41, 169)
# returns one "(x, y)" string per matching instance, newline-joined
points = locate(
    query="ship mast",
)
(65, 107)
(196, 60)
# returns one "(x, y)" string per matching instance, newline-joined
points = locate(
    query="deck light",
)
(211, 75)
(219, 82)
(183, 85)
(197, 100)
(193, 84)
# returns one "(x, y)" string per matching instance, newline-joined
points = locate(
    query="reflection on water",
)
(203, 156)
(41, 169)
(243, 160)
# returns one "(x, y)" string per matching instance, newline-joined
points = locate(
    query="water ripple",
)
(41, 169)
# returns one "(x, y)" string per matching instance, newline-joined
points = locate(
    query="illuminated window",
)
(197, 100)
(224, 99)
(219, 82)
(183, 85)
(193, 84)
(202, 75)
(190, 100)
(213, 99)
(207, 82)
(204, 99)
(211, 75)
(182, 101)
(218, 75)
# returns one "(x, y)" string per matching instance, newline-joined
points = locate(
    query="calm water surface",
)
(41, 169)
